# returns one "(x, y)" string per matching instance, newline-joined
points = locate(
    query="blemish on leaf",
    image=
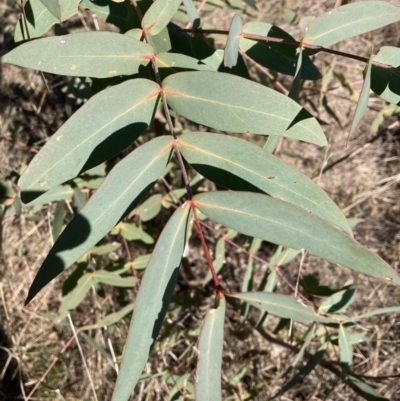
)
(73, 67)
(59, 137)
(270, 178)
(42, 183)
(212, 311)
(62, 41)
(112, 72)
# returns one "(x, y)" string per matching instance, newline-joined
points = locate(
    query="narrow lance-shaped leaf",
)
(159, 15)
(237, 164)
(350, 20)
(39, 18)
(363, 389)
(226, 102)
(208, 385)
(346, 349)
(384, 81)
(87, 281)
(295, 88)
(125, 185)
(92, 54)
(281, 305)
(376, 312)
(282, 223)
(363, 100)
(232, 45)
(104, 126)
(152, 302)
(305, 371)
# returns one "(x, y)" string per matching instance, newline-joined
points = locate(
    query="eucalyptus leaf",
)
(152, 302)
(105, 125)
(92, 54)
(281, 223)
(229, 103)
(131, 179)
(350, 20)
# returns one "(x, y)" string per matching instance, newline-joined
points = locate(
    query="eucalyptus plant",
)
(156, 64)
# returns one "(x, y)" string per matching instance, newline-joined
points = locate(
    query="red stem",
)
(218, 288)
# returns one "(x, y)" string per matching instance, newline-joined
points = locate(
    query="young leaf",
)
(305, 371)
(75, 297)
(91, 54)
(363, 100)
(350, 20)
(132, 232)
(237, 164)
(362, 388)
(281, 305)
(149, 208)
(110, 319)
(152, 301)
(229, 103)
(58, 221)
(282, 223)
(39, 19)
(161, 42)
(338, 302)
(247, 284)
(346, 349)
(159, 15)
(218, 261)
(127, 183)
(105, 125)
(192, 13)
(232, 45)
(386, 82)
(381, 311)
(62, 192)
(208, 385)
(296, 84)
(171, 63)
(303, 348)
(279, 57)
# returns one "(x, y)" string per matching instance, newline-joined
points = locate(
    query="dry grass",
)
(364, 182)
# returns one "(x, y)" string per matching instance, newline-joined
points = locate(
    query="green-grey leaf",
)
(386, 82)
(149, 208)
(159, 15)
(170, 63)
(127, 183)
(110, 319)
(279, 57)
(232, 45)
(296, 84)
(237, 164)
(75, 297)
(219, 260)
(39, 19)
(132, 232)
(58, 221)
(350, 20)
(208, 385)
(363, 99)
(91, 54)
(104, 126)
(338, 302)
(381, 311)
(346, 349)
(230, 103)
(152, 301)
(281, 305)
(366, 391)
(62, 192)
(281, 223)
(305, 371)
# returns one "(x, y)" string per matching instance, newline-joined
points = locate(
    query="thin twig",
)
(293, 43)
(75, 336)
